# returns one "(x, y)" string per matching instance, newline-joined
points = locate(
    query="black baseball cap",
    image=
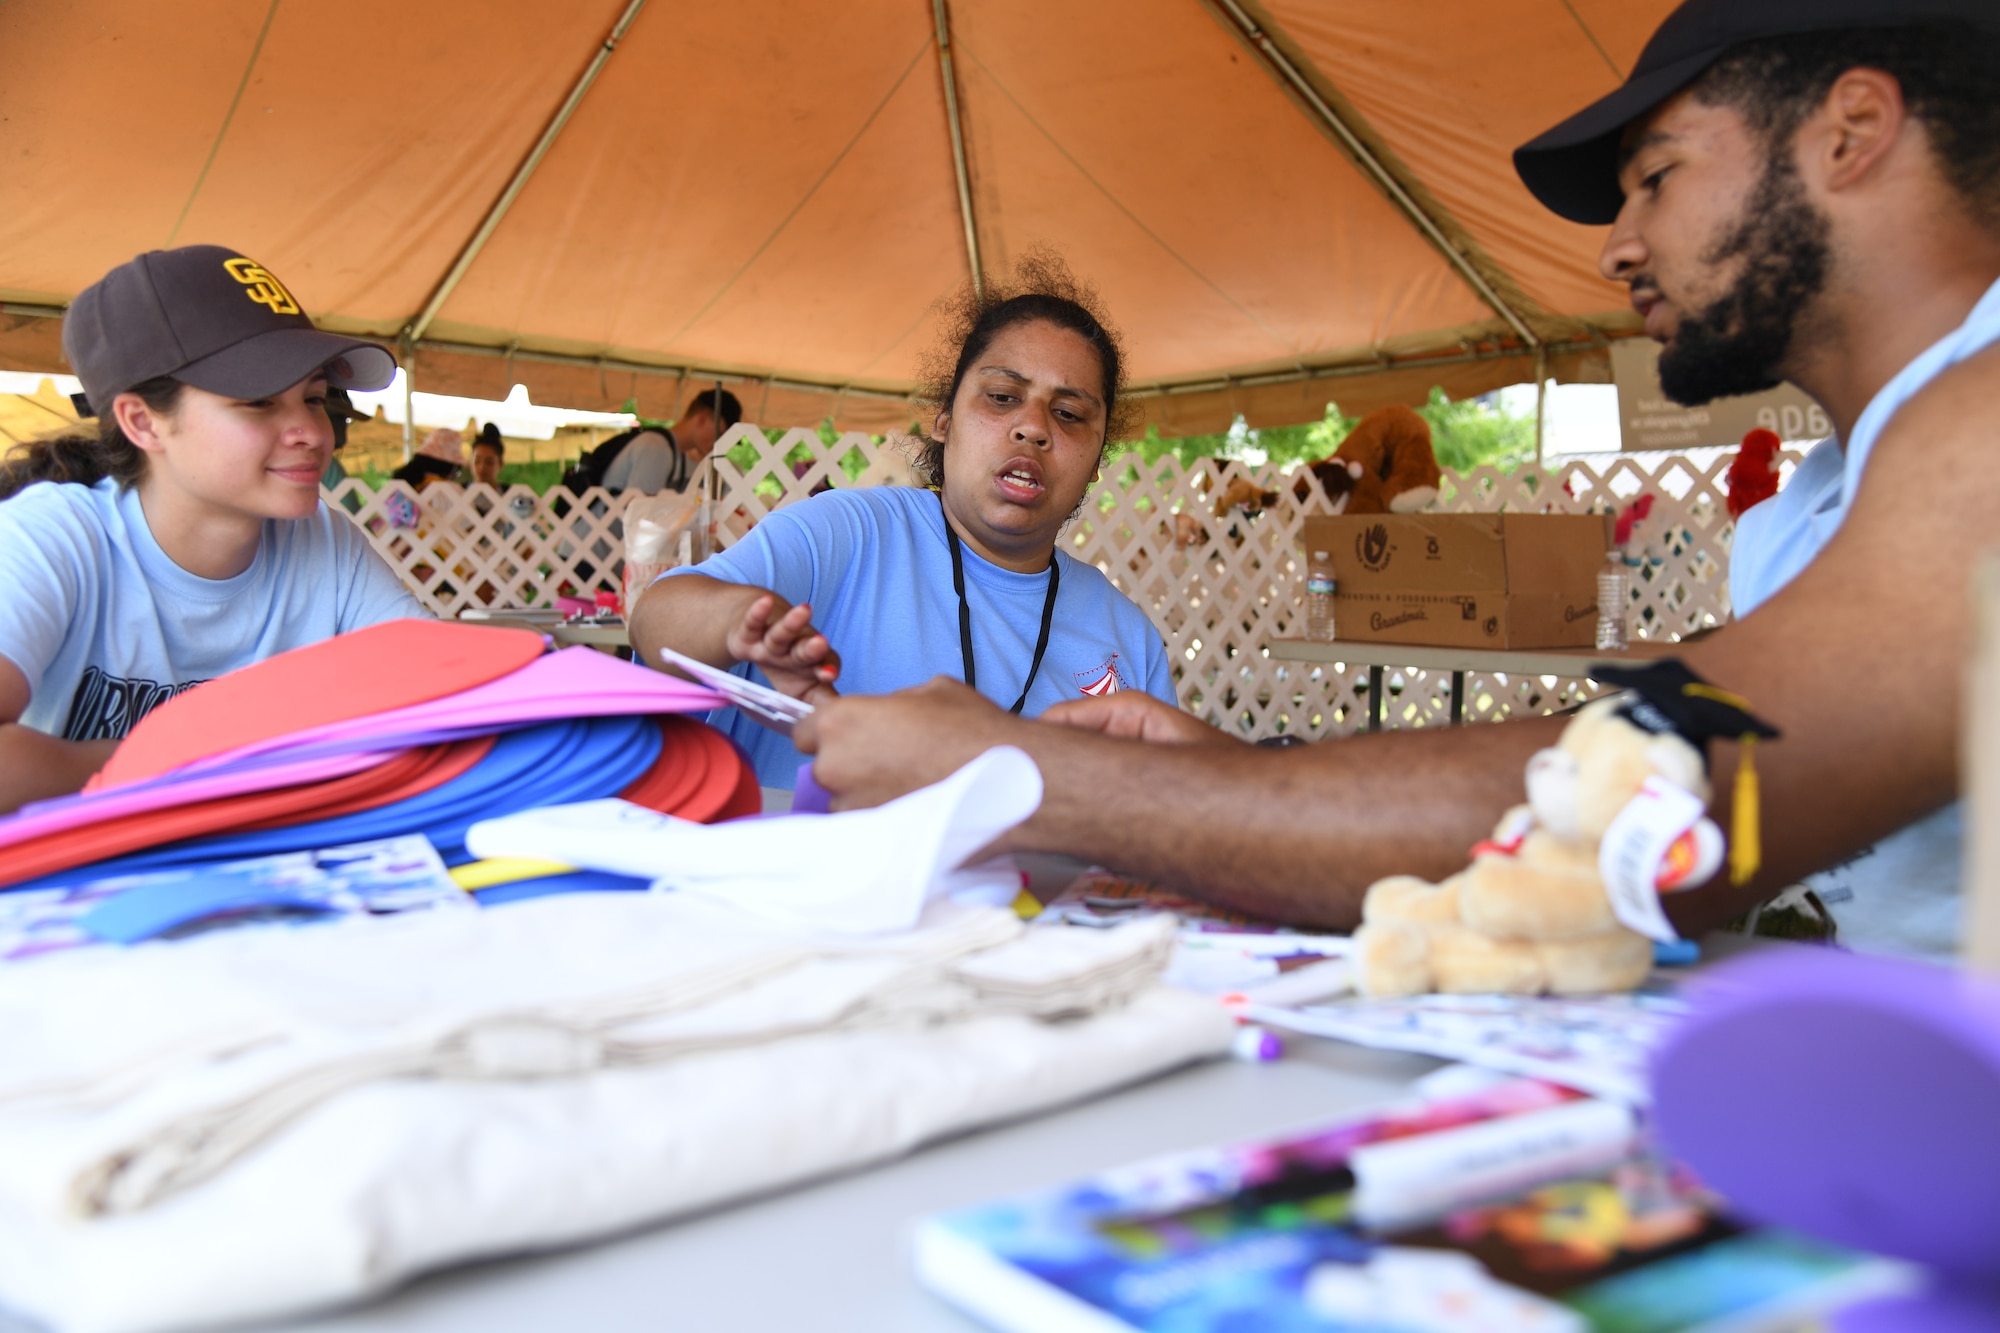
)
(341, 407)
(1573, 169)
(209, 317)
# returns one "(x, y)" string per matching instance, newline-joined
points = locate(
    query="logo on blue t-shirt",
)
(1102, 679)
(106, 707)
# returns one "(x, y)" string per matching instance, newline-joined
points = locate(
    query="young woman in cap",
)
(185, 537)
(963, 581)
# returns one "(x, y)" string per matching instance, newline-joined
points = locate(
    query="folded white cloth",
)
(254, 1123)
(857, 872)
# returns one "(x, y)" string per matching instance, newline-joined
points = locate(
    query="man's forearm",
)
(692, 614)
(1294, 834)
(35, 766)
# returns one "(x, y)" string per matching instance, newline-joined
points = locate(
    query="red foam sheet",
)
(678, 773)
(699, 775)
(747, 799)
(406, 775)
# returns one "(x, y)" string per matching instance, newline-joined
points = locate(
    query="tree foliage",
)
(1470, 433)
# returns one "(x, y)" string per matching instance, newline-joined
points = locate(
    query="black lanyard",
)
(965, 613)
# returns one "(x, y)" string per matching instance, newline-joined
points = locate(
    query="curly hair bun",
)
(1042, 289)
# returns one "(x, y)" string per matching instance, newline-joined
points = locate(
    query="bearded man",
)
(1802, 190)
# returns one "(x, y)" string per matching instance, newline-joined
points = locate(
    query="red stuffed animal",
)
(1753, 473)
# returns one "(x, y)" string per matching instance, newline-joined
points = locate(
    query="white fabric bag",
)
(253, 1124)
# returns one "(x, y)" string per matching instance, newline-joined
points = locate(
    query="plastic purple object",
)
(1856, 1099)
(808, 797)
(1944, 1310)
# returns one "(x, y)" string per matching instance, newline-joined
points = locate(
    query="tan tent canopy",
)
(1280, 202)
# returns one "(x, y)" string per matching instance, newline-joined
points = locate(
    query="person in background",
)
(964, 578)
(184, 537)
(489, 455)
(1791, 191)
(340, 410)
(489, 452)
(441, 457)
(654, 460)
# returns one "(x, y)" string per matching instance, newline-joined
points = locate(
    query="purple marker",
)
(1255, 1045)
(808, 797)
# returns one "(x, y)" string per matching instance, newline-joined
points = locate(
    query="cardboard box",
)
(1465, 580)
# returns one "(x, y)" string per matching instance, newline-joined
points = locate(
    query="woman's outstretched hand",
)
(1130, 715)
(781, 641)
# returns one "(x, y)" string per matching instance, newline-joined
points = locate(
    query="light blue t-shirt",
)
(875, 567)
(106, 626)
(1901, 895)
(1777, 539)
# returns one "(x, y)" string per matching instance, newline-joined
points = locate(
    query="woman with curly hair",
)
(881, 589)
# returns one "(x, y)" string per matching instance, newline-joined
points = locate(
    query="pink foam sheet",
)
(572, 682)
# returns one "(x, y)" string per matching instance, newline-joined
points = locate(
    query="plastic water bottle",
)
(1614, 595)
(1319, 597)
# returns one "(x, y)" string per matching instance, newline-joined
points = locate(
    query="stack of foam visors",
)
(410, 727)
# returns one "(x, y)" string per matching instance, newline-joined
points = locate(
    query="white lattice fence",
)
(1219, 589)
(474, 547)
(1219, 598)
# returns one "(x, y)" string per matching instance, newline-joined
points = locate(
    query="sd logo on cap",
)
(264, 287)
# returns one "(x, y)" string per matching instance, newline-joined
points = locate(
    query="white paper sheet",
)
(859, 872)
(1598, 1044)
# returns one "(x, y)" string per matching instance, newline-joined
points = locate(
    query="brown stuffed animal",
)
(1385, 465)
(1245, 494)
(1399, 470)
(1336, 479)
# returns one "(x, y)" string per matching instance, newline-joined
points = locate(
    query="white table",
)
(1572, 662)
(613, 635)
(834, 1256)
(610, 636)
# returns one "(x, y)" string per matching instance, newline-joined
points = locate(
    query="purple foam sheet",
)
(1852, 1098)
(1944, 1309)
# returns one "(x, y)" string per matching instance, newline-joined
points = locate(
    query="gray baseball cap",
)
(209, 317)
(1573, 168)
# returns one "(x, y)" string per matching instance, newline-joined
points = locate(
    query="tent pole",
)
(1259, 40)
(409, 402)
(1340, 370)
(1541, 398)
(422, 322)
(1374, 365)
(958, 149)
(682, 373)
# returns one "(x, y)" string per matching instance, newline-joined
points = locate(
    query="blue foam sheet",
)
(573, 760)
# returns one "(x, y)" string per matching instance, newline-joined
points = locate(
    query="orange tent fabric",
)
(767, 192)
